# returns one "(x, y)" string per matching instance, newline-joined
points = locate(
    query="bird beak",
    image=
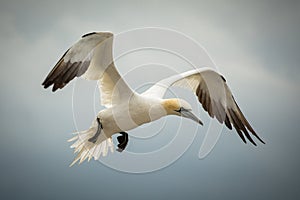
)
(190, 115)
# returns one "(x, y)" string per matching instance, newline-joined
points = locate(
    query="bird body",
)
(128, 115)
(91, 58)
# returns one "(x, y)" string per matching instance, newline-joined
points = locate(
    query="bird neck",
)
(150, 107)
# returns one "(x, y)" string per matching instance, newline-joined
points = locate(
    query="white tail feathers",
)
(88, 150)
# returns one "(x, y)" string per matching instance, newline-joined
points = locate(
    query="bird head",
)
(181, 108)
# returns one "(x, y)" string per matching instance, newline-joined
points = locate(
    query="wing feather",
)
(215, 96)
(90, 58)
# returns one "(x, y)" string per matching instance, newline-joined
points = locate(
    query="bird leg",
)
(123, 140)
(95, 137)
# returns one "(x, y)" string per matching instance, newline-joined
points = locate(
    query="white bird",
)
(91, 57)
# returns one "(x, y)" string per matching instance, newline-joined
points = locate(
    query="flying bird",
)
(92, 58)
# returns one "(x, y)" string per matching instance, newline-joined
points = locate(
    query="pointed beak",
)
(190, 115)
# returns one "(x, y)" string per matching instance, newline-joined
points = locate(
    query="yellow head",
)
(179, 107)
(172, 106)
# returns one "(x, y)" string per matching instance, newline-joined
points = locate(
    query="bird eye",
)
(182, 109)
(179, 110)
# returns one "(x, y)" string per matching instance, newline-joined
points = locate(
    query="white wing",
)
(214, 95)
(91, 58)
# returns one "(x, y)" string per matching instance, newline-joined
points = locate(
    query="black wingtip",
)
(88, 34)
(253, 142)
(260, 139)
(223, 78)
(244, 140)
(241, 136)
(46, 83)
(54, 88)
(255, 134)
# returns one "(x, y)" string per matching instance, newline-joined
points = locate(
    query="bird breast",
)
(126, 116)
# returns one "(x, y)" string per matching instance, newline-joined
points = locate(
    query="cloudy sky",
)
(255, 44)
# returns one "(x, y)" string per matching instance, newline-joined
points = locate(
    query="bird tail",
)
(88, 150)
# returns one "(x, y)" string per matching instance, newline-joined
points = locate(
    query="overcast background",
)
(256, 46)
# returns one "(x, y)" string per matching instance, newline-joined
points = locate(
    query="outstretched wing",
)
(90, 58)
(214, 95)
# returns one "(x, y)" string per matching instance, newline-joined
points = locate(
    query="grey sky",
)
(256, 46)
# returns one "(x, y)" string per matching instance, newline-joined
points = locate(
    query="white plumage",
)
(91, 58)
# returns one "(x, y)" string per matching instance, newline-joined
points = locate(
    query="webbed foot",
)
(123, 140)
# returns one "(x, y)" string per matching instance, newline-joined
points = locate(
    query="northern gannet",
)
(92, 58)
